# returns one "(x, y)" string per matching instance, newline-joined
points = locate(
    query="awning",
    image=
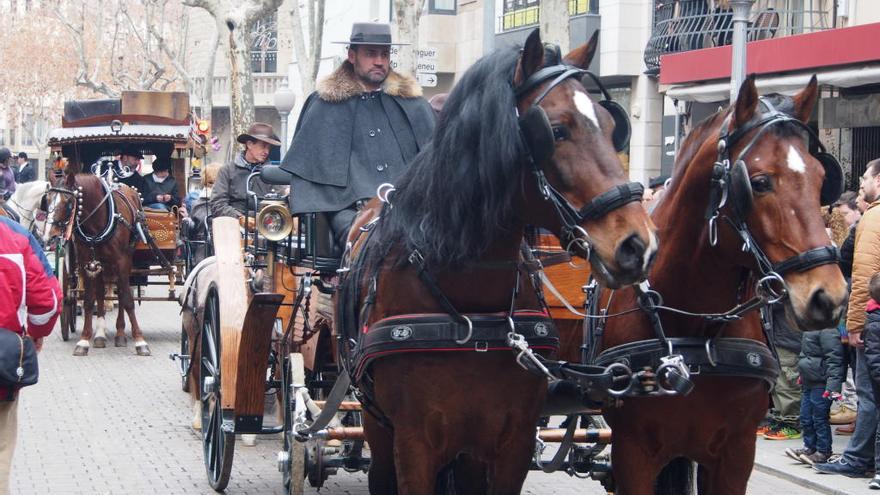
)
(787, 84)
(130, 133)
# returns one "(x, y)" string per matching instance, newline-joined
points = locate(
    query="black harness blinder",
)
(539, 136)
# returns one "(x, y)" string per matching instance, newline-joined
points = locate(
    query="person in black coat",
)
(871, 338)
(26, 172)
(161, 188)
(822, 374)
(359, 129)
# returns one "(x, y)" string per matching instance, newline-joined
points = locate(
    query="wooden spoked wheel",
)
(218, 443)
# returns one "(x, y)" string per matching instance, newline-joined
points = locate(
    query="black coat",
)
(26, 174)
(871, 336)
(347, 141)
(785, 335)
(153, 189)
(821, 360)
(846, 252)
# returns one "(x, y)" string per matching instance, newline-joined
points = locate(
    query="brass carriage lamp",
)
(116, 126)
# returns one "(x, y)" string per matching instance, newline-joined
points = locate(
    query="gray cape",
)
(326, 175)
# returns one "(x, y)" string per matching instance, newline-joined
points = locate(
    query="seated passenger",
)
(229, 195)
(161, 188)
(128, 170)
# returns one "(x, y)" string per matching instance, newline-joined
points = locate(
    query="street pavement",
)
(116, 423)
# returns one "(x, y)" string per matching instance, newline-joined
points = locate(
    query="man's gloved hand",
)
(831, 395)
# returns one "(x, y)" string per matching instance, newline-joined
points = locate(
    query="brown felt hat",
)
(258, 131)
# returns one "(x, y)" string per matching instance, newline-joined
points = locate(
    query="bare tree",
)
(307, 45)
(555, 23)
(408, 13)
(235, 18)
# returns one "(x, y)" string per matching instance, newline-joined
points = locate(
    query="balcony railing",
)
(530, 16)
(684, 25)
(264, 84)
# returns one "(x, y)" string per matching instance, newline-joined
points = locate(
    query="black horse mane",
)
(456, 195)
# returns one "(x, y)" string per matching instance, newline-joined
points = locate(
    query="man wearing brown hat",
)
(229, 197)
(359, 129)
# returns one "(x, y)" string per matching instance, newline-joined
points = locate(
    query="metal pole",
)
(741, 9)
(284, 133)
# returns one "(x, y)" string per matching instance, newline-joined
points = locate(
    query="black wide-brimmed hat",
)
(259, 131)
(370, 33)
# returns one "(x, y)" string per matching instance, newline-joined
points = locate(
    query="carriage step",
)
(174, 356)
(345, 406)
(550, 435)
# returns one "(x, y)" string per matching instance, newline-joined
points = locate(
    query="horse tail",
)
(676, 478)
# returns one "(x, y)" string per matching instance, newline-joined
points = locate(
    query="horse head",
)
(572, 141)
(769, 180)
(61, 203)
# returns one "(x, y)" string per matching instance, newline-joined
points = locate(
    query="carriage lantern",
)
(274, 221)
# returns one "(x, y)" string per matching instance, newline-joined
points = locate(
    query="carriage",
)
(93, 133)
(269, 325)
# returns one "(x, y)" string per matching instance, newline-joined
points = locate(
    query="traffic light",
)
(203, 127)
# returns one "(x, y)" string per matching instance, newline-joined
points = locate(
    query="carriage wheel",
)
(218, 444)
(184, 361)
(295, 471)
(68, 294)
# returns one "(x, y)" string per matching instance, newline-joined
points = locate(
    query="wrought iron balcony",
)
(684, 25)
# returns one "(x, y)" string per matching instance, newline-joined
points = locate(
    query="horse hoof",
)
(81, 351)
(120, 341)
(142, 350)
(100, 342)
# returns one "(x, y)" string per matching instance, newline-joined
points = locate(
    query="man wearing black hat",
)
(128, 170)
(229, 197)
(160, 188)
(26, 171)
(359, 129)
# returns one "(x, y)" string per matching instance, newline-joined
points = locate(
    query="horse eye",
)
(761, 184)
(561, 133)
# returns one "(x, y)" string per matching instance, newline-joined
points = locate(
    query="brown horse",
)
(451, 245)
(770, 217)
(102, 220)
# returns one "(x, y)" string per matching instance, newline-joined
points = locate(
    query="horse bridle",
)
(539, 134)
(70, 207)
(723, 189)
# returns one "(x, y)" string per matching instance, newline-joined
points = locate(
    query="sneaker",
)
(815, 458)
(874, 484)
(843, 416)
(841, 466)
(845, 429)
(797, 453)
(764, 429)
(784, 433)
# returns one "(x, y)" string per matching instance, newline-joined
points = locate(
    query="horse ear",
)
(805, 101)
(746, 102)
(532, 58)
(582, 56)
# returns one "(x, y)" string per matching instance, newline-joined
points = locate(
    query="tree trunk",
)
(241, 82)
(207, 96)
(307, 45)
(407, 14)
(555, 23)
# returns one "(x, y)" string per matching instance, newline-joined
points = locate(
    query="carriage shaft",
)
(553, 435)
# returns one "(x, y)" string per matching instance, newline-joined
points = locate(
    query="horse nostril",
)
(630, 253)
(822, 306)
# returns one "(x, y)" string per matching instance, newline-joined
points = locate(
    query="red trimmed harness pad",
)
(438, 332)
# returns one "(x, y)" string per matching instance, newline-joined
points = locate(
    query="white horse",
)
(26, 202)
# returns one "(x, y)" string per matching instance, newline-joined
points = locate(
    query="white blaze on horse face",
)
(585, 106)
(50, 218)
(795, 161)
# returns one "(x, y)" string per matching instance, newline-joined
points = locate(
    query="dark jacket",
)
(229, 195)
(846, 252)
(871, 336)
(26, 174)
(821, 360)
(347, 141)
(785, 335)
(153, 189)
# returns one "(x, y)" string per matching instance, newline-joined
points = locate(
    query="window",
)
(446, 7)
(521, 13)
(264, 47)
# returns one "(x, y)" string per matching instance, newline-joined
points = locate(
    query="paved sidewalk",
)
(771, 459)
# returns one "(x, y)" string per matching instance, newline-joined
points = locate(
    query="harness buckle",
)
(713, 230)
(481, 346)
(766, 291)
(416, 258)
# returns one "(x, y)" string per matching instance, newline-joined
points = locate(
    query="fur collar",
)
(342, 85)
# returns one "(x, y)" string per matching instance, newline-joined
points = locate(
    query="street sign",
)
(426, 67)
(427, 80)
(427, 54)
